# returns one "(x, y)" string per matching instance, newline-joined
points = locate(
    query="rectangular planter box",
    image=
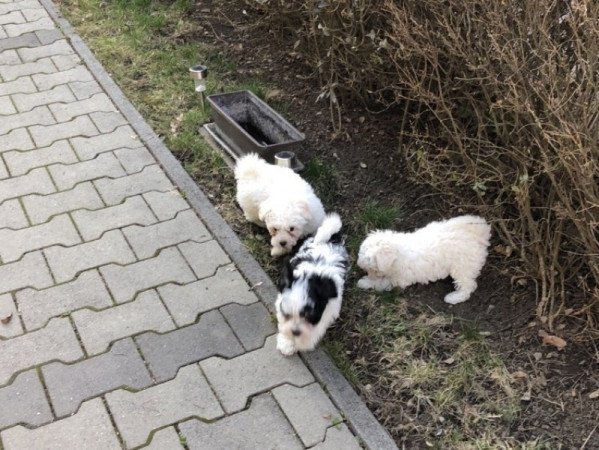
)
(249, 125)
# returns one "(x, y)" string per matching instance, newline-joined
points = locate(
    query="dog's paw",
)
(364, 283)
(277, 251)
(454, 298)
(285, 346)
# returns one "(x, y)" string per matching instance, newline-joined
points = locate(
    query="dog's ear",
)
(320, 290)
(263, 211)
(384, 258)
(286, 276)
(305, 209)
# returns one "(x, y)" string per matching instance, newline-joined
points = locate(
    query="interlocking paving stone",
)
(165, 439)
(125, 281)
(48, 36)
(134, 159)
(107, 122)
(35, 182)
(12, 72)
(235, 380)
(38, 306)
(12, 17)
(24, 40)
(13, 327)
(6, 106)
(151, 178)
(88, 148)
(48, 81)
(61, 47)
(3, 34)
(187, 301)
(18, 139)
(56, 341)
(18, 29)
(26, 102)
(122, 366)
(98, 329)
(12, 215)
(84, 89)
(204, 258)
(45, 135)
(252, 323)
(166, 205)
(66, 262)
(24, 401)
(59, 230)
(66, 62)
(309, 410)
(88, 429)
(67, 176)
(166, 353)
(20, 85)
(34, 14)
(9, 57)
(92, 224)
(37, 116)
(19, 163)
(65, 112)
(147, 240)
(137, 414)
(3, 171)
(339, 437)
(18, 5)
(41, 207)
(262, 426)
(30, 270)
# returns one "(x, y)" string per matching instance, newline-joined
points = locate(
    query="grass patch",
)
(374, 216)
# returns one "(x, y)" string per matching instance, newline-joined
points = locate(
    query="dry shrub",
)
(499, 106)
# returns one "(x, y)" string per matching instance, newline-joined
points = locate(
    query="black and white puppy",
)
(311, 288)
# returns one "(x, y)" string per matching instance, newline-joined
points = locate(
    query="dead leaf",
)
(273, 93)
(549, 339)
(363, 165)
(519, 375)
(449, 360)
(7, 319)
(176, 123)
(594, 395)
(526, 396)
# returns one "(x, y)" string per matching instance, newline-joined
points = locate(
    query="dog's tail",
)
(331, 225)
(248, 166)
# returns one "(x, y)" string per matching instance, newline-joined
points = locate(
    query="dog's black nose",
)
(296, 332)
(283, 243)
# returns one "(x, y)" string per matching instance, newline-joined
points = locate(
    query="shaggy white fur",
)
(278, 199)
(456, 247)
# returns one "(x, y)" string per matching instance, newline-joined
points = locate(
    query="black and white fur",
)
(311, 288)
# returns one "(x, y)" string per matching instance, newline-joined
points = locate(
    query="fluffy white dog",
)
(311, 289)
(456, 247)
(278, 199)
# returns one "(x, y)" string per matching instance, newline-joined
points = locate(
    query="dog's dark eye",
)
(291, 229)
(287, 316)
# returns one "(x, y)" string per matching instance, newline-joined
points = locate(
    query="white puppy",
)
(456, 247)
(311, 289)
(278, 199)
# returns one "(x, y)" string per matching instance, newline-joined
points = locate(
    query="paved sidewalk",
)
(131, 326)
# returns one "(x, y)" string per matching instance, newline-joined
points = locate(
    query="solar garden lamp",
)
(199, 73)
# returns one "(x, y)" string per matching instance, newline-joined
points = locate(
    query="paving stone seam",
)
(29, 221)
(40, 375)
(68, 85)
(115, 429)
(235, 332)
(37, 59)
(14, 106)
(81, 115)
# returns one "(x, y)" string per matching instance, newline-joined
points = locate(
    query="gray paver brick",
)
(56, 341)
(125, 281)
(66, 62)
(166, 353)
(3, 171)
(17, 139)
(20, 85)
(92, 224)
(24, 40)
(204, 258)
(48, 81)
(35, 182)
(187, 301)
(67, 111)
(149, 179)
(165, 439)
(13, 327)
(134, 159)
(67, 176)
(252, 323)
(98, 329)
(262, 426)
(84, 89)
(45, 135)
(137, 414)
(19, 163)
(66, 262)
(24, 401)
(59, 230)
(26, 102)
(339, 437)
(120, 367)
(34, 14)
(12, 72)
(90, 429)
(16, 6)
(147, 240)
(12, 17)
(38, 306)
(309, 410)
(6, 106)
(107, 122)
(235, 380)
(166, 205)
(41, 207)
(18, 29)
(12, 215)
(88, 148)
(31, 270)
(49, 36)
(9, 57)
(37, 116)
(3, 34)
(61, 47)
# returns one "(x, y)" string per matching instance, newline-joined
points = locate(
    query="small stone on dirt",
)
(594, 394)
